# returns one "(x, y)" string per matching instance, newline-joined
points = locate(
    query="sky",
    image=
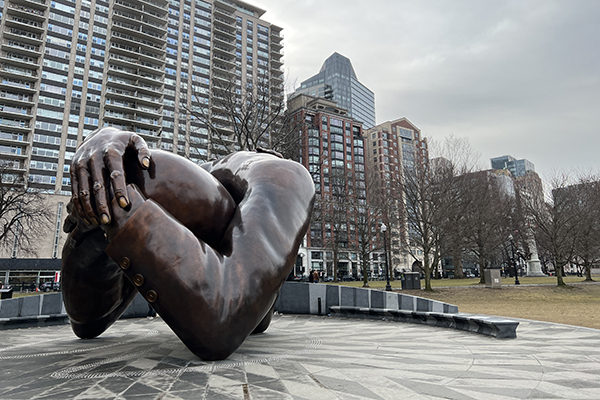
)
(518, 78)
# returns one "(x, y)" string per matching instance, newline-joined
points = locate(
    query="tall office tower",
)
(393, 149)
(69, 67)
(516, 167)
(337, 81)
(333, 153)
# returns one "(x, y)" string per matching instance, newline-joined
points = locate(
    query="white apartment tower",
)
(70, 67)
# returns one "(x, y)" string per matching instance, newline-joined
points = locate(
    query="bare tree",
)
(365, 219)
(431, 196)
(332, 212)
(556, 221)
(24, 214)
(487, 220)
(242, 115)
(587, 240)
(427, 205)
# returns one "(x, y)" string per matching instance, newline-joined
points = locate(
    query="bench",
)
(497, 327)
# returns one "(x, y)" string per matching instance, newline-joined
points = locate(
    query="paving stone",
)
(304, 357)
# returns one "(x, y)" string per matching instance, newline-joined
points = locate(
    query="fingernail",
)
(94, 221)
(146, 162)
(123, 202)
(104, 219)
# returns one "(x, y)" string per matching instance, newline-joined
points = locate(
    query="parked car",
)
(49, 286)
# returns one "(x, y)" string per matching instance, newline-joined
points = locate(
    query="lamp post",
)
(388, 287)
(514, 262)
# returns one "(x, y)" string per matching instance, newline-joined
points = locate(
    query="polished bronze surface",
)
(215, 243)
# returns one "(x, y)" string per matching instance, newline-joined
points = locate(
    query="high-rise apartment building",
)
(392, 150)
(516, 167)
(337, 81)
(70, 67)
(333, 153)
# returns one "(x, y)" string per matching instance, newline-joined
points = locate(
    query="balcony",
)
(132, 119)
(225, 30)
(224, 42)
(275, 53)
(25, 24)
(23, 35)
(21, 86)
(148, 45)
(133, 96)
(157, 7)
(226, 7)
(135, 63)
(138, 52)
(138, 29)
(224, 16)
(220, 67)
(14, 125)
(276, 36)
(221, 80)
(137, 76)
(28, 9)
(16, 98)
(276, 62)
(15, 111)
(131, 106)
(148, 134)
(129, 17)
(14, 139)
(12, 71)
(275, 46)
(28, 50)
(132, 84)
(148, 13)
(19, 60)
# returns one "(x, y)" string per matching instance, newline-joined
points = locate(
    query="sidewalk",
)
(304, 357)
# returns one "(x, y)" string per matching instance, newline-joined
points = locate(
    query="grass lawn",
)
(439, 283)
(574, 305)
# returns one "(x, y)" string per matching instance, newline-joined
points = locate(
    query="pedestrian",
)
(311, 276)
(315, 277)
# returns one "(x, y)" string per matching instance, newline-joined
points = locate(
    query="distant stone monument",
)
(209, 247)
(534, 267)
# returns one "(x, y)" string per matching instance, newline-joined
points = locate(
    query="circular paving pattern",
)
(304, 357)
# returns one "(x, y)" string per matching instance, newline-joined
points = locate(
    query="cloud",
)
(515, 77)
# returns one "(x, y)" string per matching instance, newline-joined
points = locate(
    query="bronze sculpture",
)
(208, 246)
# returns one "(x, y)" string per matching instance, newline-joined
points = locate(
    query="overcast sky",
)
(514, 77)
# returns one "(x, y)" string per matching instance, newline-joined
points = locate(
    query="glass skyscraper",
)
(516, 167)
(337, 81)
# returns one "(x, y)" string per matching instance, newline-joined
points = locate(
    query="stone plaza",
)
(304, 357)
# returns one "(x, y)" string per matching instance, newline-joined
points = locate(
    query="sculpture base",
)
(534, 268)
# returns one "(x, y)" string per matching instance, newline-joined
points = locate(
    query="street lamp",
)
(388, 287)
(513, 260)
